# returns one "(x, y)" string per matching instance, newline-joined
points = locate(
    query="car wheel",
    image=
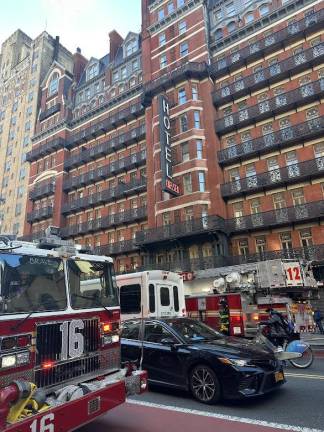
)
(204, 384)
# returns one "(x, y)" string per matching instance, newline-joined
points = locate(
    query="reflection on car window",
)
(155, 332)
(194, 331)
(130, 330)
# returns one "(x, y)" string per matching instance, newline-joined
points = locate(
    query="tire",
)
(204, 384)
(305, 361)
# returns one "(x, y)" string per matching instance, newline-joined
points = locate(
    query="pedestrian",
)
(224, 317)
(318, 317)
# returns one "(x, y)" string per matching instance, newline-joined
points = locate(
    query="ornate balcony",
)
(116, 248)
(267, 44)
(45, 149)
(103, 149)
(279, 139)
(270, 107)
(284, 216)
(114, 168)
(265, 77)
(277, 177)
(206, 224)
(128, 216)
(42, 191)
(49, 112)
(111, 122)
(172, 78)
(37, 215)
(105, 196)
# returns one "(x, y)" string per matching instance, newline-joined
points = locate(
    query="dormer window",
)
(92, 71)
(53, 85)
(131, 47)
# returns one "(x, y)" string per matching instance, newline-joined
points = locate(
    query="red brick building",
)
(244, 82)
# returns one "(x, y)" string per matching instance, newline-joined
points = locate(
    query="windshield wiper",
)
(97, 300)
(22, 321)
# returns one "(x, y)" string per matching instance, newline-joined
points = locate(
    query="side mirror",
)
(168, 341)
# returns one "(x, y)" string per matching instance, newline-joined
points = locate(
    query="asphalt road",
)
(297, 406)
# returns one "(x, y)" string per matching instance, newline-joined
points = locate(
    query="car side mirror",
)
(168, 341)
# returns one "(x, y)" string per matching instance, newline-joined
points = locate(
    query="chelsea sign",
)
(168, 184)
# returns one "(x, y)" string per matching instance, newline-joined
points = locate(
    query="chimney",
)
(56, 48)
(115, 41)
(79, 63)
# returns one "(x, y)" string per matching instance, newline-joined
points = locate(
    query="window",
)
(243, 247)
(187, 184)
(163, 61)
(180, 3)
(131, 47)
(18, 209)
(30, 96)
(165, 296)
(130, 330)
(298, 197)
(155, 332)
(166, 218)
(182, 27)
(306, 238)
(160, 14)
(135, 64)
(194, 90)
(183, 123)
(87, 93)
(92, 71)
(218, 15)
(53, 84)
(185, 152)
(170, 7)
(199, 148)
(196, 119)
(264, 9)
(231, 27)
(130, 298)
(279, 201)
(250, 170)
(123, 72)
(285, 240)
(249, 17)
(260, 244)
(230, 8)
(162, 39)
(184, 49)
(255, 206)
(319, 150)
(115, 77)
(182, 97)
(27, 126)
(219, 34)
(202, 181)
(176, 298)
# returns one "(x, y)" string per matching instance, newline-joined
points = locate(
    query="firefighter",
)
(224, 317)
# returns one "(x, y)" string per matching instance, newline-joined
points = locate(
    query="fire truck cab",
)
(59, 343)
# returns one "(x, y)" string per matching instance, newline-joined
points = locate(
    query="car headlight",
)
(234, 362)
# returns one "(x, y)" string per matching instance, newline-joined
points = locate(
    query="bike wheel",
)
(305, 360)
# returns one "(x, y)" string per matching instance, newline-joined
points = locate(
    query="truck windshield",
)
(92, 284)
(31, 284)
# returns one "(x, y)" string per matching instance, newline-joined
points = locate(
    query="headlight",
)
(8, 361)
(233, 362)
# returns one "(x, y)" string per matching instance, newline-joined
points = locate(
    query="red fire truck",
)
(248, 291)
(60, 365)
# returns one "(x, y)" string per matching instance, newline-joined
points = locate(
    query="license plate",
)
(279, 376)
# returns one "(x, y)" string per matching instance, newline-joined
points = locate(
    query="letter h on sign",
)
(168, 184)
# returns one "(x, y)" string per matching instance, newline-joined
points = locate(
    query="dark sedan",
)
(186, 354)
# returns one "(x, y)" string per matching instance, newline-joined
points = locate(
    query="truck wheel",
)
(204, 384)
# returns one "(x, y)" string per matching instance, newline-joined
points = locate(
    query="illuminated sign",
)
(168, 184)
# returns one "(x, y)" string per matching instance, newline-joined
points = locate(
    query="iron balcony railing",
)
(105, 148)
(275, 140)
(284, 216)
(44, 149)
(49, 112)
(270, 107)
(289, 174)
(267, 44)
(114, 120)
(105, 196)
(39, 214)
(117, 248)
(42, 191)
(205, 224)
(173, 77)
(112, 169)
(99, 224)
(269, 75)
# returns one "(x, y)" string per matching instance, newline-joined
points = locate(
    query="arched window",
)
(249, 17)
(131, 47)
(53, 85)
(264, 9)
(231, 27)
(218, 34)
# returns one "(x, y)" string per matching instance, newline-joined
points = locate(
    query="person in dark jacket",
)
(318, 317)
(224, 317)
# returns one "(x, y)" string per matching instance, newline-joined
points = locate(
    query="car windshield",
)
(194, 331)
(31, 283)
(92, 284)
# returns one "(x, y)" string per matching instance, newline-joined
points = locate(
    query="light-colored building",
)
(24, 63)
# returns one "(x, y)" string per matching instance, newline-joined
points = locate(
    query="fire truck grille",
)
(49, 340)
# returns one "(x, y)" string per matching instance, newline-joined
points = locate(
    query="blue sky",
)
(83, 23)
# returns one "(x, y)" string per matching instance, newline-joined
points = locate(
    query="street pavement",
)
(296, 406)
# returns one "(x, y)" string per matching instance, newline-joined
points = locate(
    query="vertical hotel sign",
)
(168, 184)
